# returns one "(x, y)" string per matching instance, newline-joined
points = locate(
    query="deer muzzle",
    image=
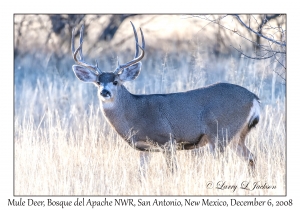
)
(105, 93)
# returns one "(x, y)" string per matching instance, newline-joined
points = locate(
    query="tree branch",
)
(233, 31)
(258, 34)
(274, 54)
(255, 58)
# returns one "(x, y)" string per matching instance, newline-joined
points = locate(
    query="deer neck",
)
(123, 96)
(116, 112)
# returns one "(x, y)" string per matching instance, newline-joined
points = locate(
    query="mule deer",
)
(213, 115)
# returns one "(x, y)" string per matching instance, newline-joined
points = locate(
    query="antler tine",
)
(120, 67)
(81, 61)
(81, 41)
(136, 41)
(136, 59)
(143, 40)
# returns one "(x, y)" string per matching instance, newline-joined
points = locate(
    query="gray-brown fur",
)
(219, 110)
(213, 115)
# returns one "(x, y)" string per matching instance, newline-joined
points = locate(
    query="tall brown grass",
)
(83, 160)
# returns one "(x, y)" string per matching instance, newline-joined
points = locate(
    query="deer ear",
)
(84, 74)
(131, 72)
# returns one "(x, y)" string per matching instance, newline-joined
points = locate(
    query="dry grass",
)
(63, 146)
(83, 161)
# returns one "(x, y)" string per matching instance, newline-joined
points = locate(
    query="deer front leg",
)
(144, 163)
(170, 155)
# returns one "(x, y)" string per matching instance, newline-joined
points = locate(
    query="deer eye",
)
(115, 82)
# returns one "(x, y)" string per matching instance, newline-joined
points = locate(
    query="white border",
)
(186, 6)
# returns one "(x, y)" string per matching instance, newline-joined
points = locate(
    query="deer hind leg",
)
(241, 150)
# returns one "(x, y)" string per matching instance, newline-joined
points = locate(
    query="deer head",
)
(107, 82)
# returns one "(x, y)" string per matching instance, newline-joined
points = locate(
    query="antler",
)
(81, 61)
(136, 57)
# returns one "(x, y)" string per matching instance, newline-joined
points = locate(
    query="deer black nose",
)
(105, 93)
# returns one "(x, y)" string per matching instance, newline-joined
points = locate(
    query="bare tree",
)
(114, 23)
(269, 40)
(59, 22)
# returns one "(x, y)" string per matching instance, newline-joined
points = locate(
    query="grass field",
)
(64, 146)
